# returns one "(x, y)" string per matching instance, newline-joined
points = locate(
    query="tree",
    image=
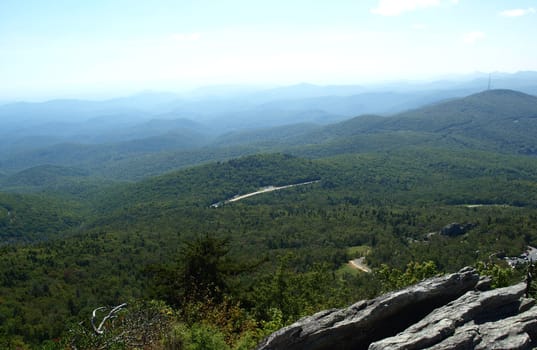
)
(204, 267)
(199, 274)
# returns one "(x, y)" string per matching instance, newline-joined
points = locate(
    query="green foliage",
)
(26, 218)
(200, 274)
(227, 315)
(500, 275)
(290, 295)
(203, 267)
(393, 278)
(196, 337)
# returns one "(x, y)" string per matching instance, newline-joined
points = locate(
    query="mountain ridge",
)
(499, 120)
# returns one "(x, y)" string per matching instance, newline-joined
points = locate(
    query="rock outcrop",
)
(456, 229)
(455, 311)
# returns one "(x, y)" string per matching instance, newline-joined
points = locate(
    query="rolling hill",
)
(484, 115)
(502, 120)
(499, 120)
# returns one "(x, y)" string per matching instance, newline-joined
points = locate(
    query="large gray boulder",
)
(360, 324)
(449, 312)
(476, 320)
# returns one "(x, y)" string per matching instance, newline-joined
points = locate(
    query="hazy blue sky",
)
(51, 48)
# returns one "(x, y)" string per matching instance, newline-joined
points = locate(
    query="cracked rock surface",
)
(454, 311)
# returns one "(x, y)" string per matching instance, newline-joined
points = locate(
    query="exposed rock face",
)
(477, 320)
(448, 312)
(456, 229)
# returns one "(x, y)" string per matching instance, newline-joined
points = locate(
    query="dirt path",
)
(360, 265)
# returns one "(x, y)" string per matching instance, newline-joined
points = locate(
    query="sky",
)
(66, 48)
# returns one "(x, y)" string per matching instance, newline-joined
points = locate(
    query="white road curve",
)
(263, 190)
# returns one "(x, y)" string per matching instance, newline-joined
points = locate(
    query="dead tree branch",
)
(112, 314)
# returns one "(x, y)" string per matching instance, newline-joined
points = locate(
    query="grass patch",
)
(346, 269)
(358, 251)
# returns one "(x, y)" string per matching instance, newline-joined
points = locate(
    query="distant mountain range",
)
(496, 120)
(219, 105)
(152, 133)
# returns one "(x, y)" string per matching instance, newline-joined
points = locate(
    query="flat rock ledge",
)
(456, 311)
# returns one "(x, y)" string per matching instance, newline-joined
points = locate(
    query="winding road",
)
(263, 190)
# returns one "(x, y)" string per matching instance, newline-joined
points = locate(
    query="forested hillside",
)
(136, 241)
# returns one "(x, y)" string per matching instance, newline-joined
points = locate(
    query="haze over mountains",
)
(213, 171)
(119, 138)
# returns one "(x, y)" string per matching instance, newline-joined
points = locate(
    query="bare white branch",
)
(111, 314)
